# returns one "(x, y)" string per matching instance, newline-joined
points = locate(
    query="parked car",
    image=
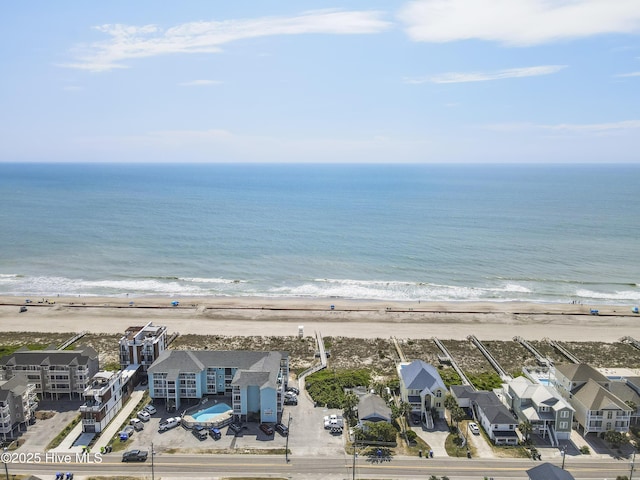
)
(215, 433)
(144, 381)
(282, 429)
(474, 429)
(266, 428)
(199, 432)
(151, 409)
(290, 395)
(126, 433)
(144, 415)
(168, 424)
(294, 390)
(137, 424)
(291, 401)
(235, 427)
(135, 456)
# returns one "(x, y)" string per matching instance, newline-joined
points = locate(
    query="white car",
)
(474, 429)
(150, 409)
(136, 424)
(144, 415)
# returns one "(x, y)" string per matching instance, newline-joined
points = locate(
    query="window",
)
(564, 414)
(439, 394)
(609, 414)
(438, 405)
(564, 425)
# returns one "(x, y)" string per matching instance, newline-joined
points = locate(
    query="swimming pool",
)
(211, 413)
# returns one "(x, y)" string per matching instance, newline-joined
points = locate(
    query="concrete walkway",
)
(66, 446)
(114, 427)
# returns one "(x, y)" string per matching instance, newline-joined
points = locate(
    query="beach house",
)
(53, 372)
(104, 397)
(373, 408)
(255, 381)
(422, 387)
(18, 402)
(597, 409)
(542, 406)
(488, 410)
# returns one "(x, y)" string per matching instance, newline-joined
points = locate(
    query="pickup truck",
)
(169, 423)
(135, 456)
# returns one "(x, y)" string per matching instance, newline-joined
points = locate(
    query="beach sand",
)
(254, 316)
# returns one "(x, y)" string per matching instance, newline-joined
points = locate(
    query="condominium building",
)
(53, 372)
(18, 402)
(142, 345)
(255, 381)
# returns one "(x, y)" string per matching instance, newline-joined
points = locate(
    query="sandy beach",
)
(253, 316)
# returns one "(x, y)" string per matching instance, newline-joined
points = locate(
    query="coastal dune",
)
(255, 316)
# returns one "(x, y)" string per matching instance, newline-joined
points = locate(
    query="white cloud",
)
(632, 74)
(518, 22)
(463, 77)
(573, 128)
(130, 42)
(199, 83)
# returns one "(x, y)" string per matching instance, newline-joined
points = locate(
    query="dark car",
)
(215, 433)
(235, 427)
(282, 429)
(291, 401)
(266, 428)
(135, 456)
(199, 432)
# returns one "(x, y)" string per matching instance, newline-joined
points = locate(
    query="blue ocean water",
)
(398, 232)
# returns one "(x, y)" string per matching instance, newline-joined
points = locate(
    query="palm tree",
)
(349, 404)
(525, 429)
(458, 414)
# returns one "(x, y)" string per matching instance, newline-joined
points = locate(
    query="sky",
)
(420, 81)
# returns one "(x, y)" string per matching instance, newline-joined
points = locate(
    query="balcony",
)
(91, 407)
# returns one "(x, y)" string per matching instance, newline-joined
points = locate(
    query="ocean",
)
(535, 233)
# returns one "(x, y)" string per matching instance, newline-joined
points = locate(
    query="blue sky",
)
(310, 81)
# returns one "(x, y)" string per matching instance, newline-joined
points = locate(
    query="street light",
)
(564, 454)
(633, 459)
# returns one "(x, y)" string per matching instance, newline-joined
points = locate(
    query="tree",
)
(525, 429)
(349, 403)
(458, 414)
(615, 439)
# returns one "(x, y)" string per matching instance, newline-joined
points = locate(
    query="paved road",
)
(338, 467)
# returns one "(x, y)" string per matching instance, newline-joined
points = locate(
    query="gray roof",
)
(371, 407)
(23, 356)
(548, 471)
(253, 368)
(595, 397)
(16, 385)
(419, 375)
(493, 408)
(581, 372)
(463, 391)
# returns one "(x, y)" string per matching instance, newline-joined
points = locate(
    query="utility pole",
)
(4, 460)
(286, 447)
(354, 457)
(632, 465)
(564, 454)
(153, 453)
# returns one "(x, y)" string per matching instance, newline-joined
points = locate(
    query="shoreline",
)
(265, 316)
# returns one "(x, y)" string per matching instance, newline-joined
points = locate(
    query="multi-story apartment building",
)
(142, 345)
(53, 372)
(18, 402)
(104, 397)
(255, 381)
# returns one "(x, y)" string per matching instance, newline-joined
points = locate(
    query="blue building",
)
(255, 381)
